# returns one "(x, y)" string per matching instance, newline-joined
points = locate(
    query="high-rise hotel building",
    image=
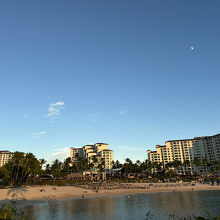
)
(4, 157)
(99, 150)
(187, 149)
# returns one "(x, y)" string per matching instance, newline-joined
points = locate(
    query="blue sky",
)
(120, 72)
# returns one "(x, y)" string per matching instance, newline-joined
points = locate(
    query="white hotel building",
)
(187, 149)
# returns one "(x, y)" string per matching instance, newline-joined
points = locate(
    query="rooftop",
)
(180, 140)
(151, 151)
(76, 148)
(5, 151)
(160, 146)
(207, 136)
(192, 139)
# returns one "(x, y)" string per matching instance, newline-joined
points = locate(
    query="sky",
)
(129, 73)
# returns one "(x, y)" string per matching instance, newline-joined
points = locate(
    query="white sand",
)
(62, 192)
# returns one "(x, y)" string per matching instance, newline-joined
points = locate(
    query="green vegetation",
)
(21, 169)
(9, 211)
(26, 169)
(160, 171)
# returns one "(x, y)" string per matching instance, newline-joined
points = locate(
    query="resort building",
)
(4, 157)
(74, 153)
(99, 151)
(107, 155)
(207, 147)
(186, 150)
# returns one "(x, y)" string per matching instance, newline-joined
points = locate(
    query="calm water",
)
(128, 207)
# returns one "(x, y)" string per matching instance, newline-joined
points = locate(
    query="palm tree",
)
(205, 163)
(113, 164)
(82, 164)
(137, 166)
(196, 163)
(128, 165)
(22, 167)
(154, 166)
(4, 175)
(94, 163)
(66, 166)
(47, 169)
(142, 167)
(149, 167)
(138, 162)
(32, 166)
(186, 163)
(118, 164)
(177, 164)
(15, 167)
(216, 167)
(56, 168)
(86, 164)
(158, 169)
(168, 165)
(167, 168)
(101, 165)
(42, 162)
(128, 160)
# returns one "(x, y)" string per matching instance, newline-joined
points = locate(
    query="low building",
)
(76, 176)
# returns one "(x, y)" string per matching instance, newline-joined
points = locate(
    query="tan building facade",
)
(98, 150)
(186, 150)
(107, 155)
(4, 157)
(74, 153)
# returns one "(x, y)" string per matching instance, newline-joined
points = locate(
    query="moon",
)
(192, 48)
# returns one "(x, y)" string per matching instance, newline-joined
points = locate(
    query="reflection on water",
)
(128, 207)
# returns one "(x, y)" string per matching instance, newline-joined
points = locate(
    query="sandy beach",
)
(65, 192)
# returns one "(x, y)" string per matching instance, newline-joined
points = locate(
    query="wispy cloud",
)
(40, 134)
(123, 112)
(61, 151)
(91, 117)
(57, 104)
(60, 154)
(54, 109)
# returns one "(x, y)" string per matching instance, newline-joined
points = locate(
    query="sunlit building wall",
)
(4, 157)
(187, 149)
(98, 150)
(107, 155)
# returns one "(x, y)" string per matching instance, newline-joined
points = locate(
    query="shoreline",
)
(21, 203)
(56, 193)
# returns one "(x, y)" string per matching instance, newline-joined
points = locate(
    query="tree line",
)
(27, 169)
(24, 169)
